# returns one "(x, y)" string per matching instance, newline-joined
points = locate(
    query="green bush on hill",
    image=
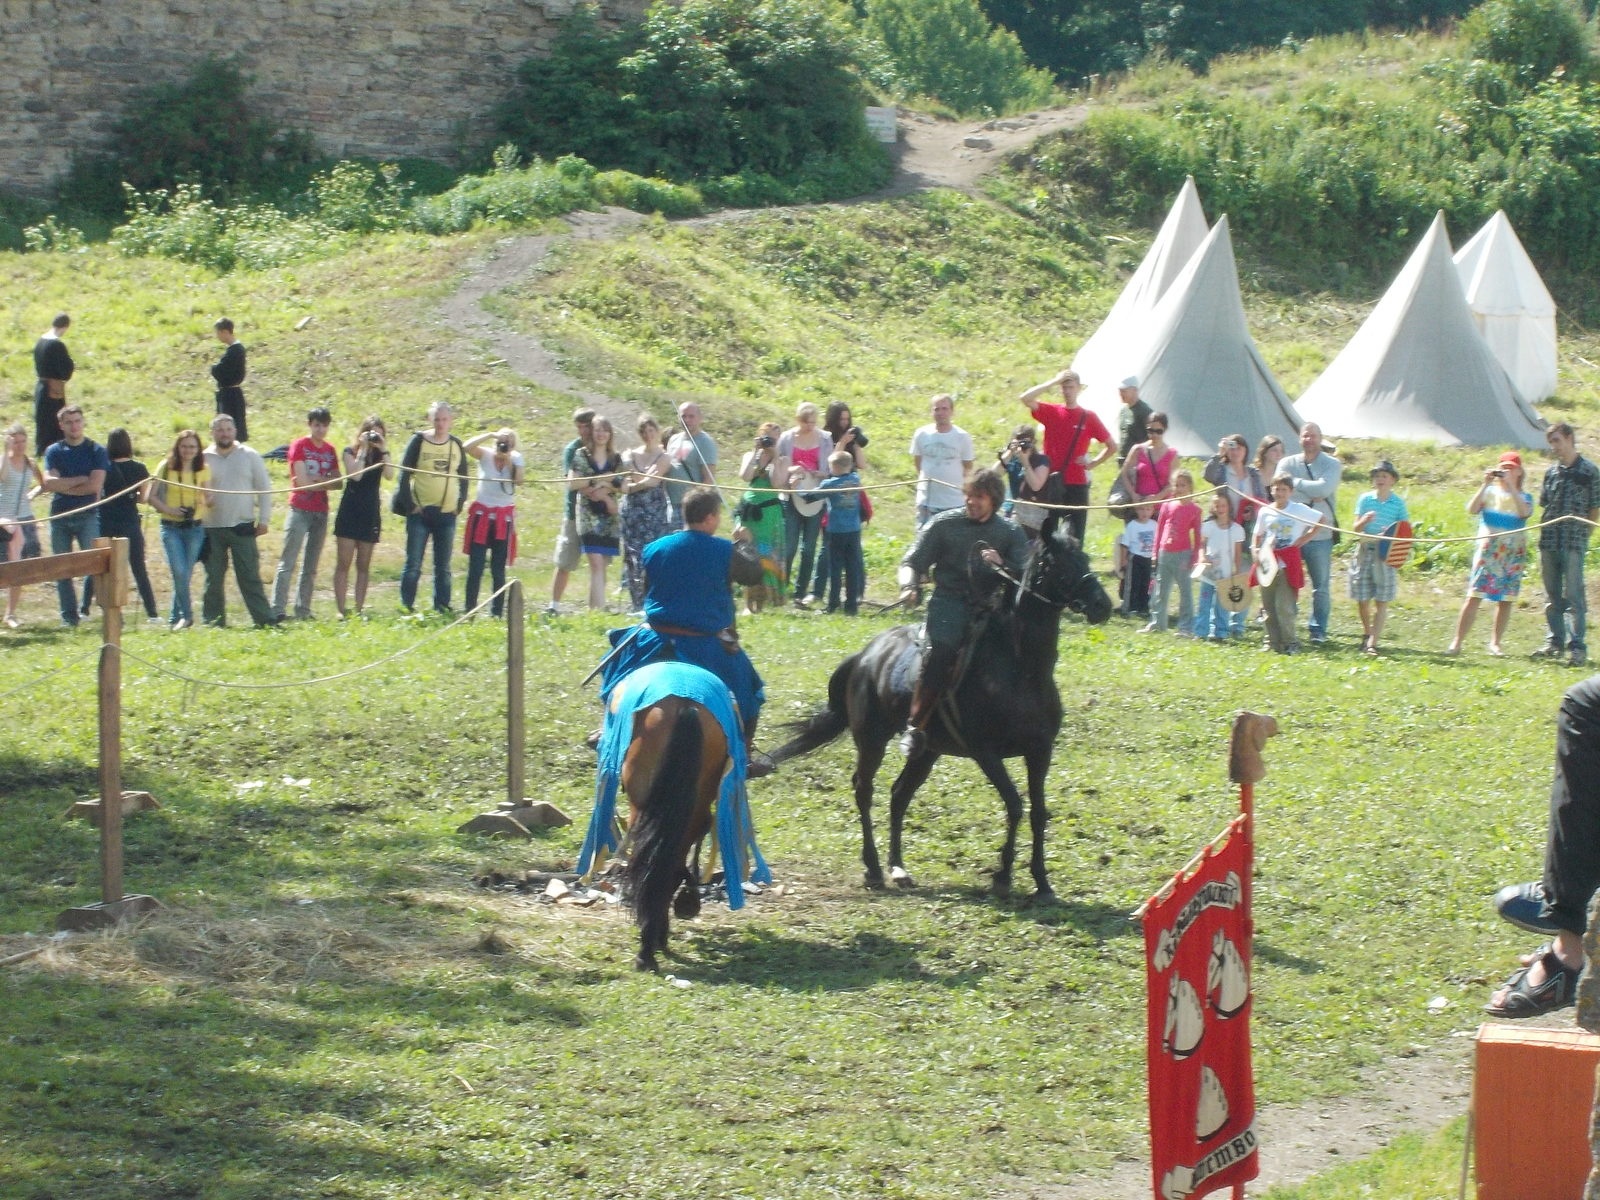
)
(948, 50)
(714, 89)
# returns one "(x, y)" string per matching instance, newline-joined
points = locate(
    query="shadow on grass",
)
(765, 958)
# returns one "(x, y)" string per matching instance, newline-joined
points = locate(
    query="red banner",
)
(1202, 1093)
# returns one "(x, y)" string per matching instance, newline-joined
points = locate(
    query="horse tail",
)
(821, 727)
(656, 863)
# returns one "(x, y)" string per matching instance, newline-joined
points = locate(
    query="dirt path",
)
(1415, 1094)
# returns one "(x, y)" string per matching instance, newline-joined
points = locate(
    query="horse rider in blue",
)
(688, 610)
(963, 548)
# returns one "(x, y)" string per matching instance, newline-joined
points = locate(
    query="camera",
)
(372, 435)
(188, 513)
(855, 432)
(503, 445)
(765, 443)
(1498, 473)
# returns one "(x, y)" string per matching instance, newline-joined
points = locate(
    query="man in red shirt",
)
(1069, 428)
(314, 472)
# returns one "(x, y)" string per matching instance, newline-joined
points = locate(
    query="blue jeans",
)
(1318, 556)
(439, 527)
(184, 548)
(1213, 620)
(1565, 605)
(79, 527)
(847, 567)
(800, 533)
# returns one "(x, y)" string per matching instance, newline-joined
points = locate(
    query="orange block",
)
(1533, 1097)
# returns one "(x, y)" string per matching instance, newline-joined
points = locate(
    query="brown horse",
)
(672, 743)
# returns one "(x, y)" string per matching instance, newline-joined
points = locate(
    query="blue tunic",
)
(736, 838)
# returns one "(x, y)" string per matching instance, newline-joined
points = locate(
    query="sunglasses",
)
(1155, 428)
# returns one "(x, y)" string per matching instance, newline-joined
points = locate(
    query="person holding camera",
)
(1069, 431)
(1501, 556)
(360, 517)
(761, 514)
(646, 515)
(178, 493)
(803, 452)
(846, 435)
(597, 478)
(430, 495)
(491, 531)
(1031, 481)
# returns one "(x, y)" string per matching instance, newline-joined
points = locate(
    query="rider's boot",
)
(925, 699)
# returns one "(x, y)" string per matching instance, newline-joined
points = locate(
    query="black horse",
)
(1006, 704)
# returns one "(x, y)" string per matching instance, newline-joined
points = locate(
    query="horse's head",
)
(1059, 574)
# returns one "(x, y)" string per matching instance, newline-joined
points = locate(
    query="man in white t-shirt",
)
(942, 454)
(694, 460)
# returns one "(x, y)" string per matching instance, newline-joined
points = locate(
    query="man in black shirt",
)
(228, 371)
(53, 366)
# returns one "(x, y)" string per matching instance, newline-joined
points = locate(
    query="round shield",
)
(1233, 593)
(1266, 564)
(1394, 547)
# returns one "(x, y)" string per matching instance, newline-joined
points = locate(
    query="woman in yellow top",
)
(177, 490)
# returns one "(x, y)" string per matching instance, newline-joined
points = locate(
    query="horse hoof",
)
(1002, 887)
(901, 877)
(873, 881)
(646, 962)
(1042, 897)
(687, 905)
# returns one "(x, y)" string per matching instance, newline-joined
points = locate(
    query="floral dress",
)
(645, 517)
(1502, 553)
(599, 529)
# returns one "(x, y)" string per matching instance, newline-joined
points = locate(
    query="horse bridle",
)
(1022, 584)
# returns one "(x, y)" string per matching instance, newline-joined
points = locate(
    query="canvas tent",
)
(1106, 358)
(1511, 306)
(1198, 364)
(1419, 370)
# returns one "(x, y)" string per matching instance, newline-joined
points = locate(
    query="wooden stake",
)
(516, 691)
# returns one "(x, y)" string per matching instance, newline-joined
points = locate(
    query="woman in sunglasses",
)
(1147, 471)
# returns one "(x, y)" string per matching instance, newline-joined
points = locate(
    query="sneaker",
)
(1548, 650)
(1150, 628)
(913, 741)
(1577, 658)
(1522, 904)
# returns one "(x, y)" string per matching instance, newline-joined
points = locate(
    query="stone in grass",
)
(537, 814)
(495, 824)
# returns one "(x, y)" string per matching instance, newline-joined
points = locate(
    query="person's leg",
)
(567, 559)
(13, 553)
(1207, 621)
(1077, 519)
(1380, 610)
(1185, 593)
(822, 573)
(363, 572)
(1318, 556)
(1502, 618)
(1464, 620)
(172, 548)
(295, 529)
(344, 553)
(597, 580)
(141, 572)
(1364, 611)
(316, 537)
(1163, 597)
(477, 554)
(411, 573)
(212, 603)
(856, 574)
(1552, 573)
(499, 550)
(66, 590)
(1577, 607)
(791, 543)
(247, 575)
(444, 536)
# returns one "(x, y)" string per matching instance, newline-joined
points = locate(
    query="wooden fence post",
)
(516, 695)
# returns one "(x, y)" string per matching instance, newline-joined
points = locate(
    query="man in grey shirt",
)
(694, 460)
(240, 509)
(1316, 481)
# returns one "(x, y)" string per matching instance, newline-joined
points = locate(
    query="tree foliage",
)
(949, 50)
(708, 90)
(1534, 38)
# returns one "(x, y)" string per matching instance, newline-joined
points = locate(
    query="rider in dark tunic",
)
(688, 610)
(961, 548)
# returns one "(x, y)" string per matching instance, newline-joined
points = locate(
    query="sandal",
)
(1557, 991)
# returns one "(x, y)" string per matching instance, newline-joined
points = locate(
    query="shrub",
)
(201, 131)
(947, 49)
(1534, 38)
(709, 89)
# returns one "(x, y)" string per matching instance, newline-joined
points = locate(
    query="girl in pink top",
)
(1177, 550)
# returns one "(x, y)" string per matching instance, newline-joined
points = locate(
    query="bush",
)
(201, 131)
(186, 225)
(1534, 38)
(947, 49)
(709, 89)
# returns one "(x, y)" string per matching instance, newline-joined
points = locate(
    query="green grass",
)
(319, 1010)
(1413, 1167)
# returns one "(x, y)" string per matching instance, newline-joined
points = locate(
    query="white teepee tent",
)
(1419, 370)
(1511, 305)
(1198, 363)
(1107, 357)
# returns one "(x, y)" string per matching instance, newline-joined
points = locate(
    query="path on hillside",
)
(931, 153)
(1421, 1093)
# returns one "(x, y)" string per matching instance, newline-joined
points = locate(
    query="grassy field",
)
(331, 1005)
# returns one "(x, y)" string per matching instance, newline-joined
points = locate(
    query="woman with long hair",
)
(597, 477)
(178, 491)
(359, 521)
(803, 452)
(1147, 471)
(838, 424)
(1243, 484)
(20, 477)
(761, 511)
(119, 517)
(646, 514)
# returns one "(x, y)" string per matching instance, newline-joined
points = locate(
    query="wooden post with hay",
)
(108, 563)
